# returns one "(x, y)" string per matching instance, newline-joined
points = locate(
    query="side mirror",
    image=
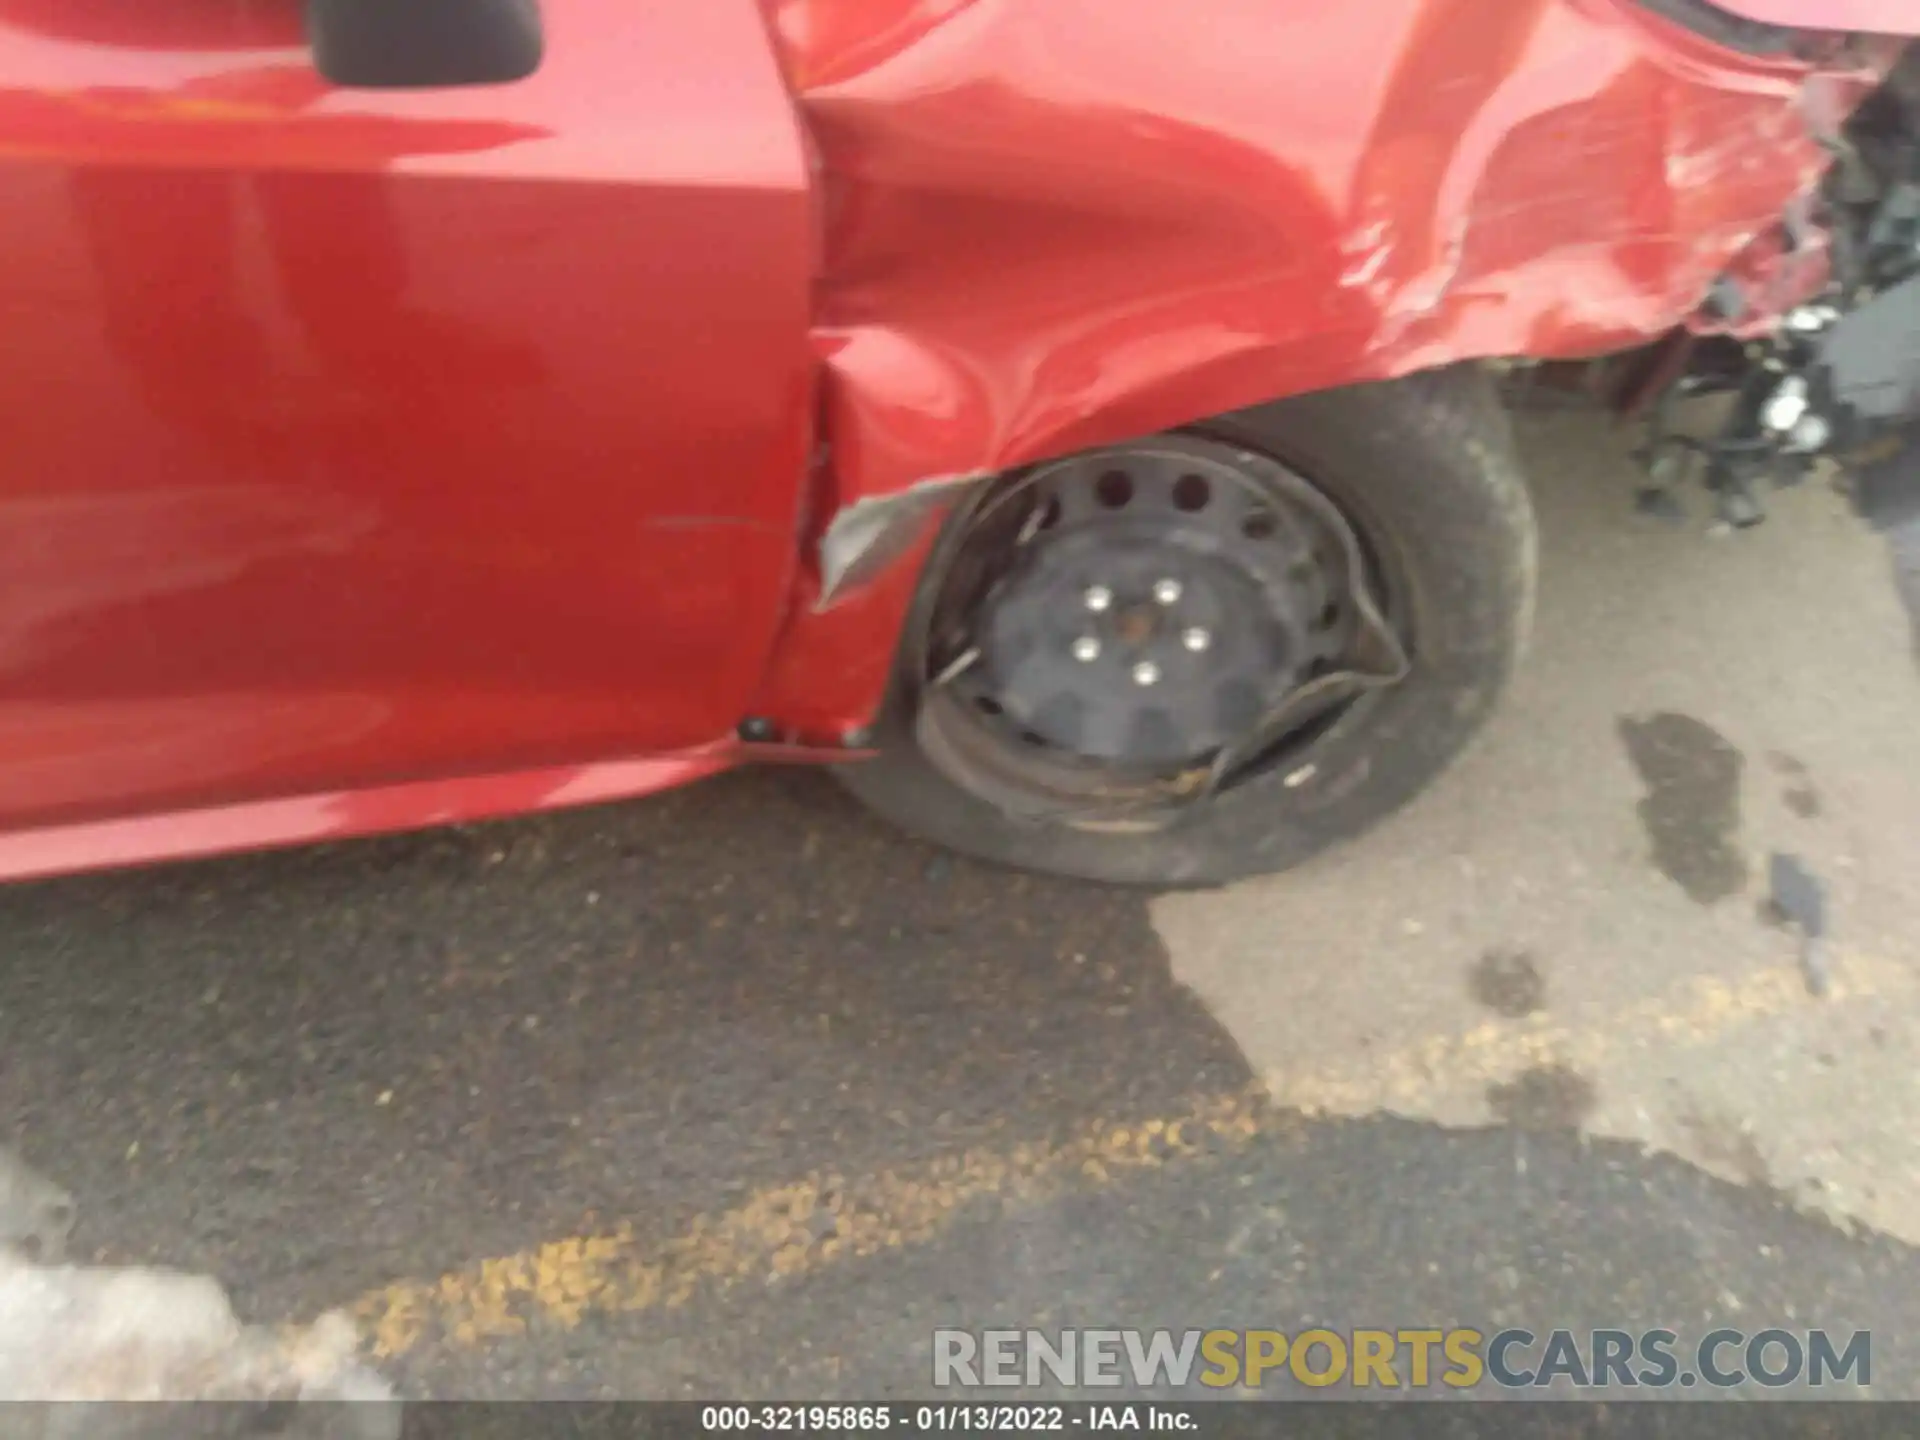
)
(418, 44)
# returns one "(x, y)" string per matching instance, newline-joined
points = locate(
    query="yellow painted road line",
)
(1698, 1012)
(824, 1219)
(784, 1230)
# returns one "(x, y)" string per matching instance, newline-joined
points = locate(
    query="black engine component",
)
(1841, 376)
(1869, 362)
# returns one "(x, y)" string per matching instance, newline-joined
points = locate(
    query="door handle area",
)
(418, 44)
(374, 44)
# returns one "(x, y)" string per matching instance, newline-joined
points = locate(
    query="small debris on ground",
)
(1657, 502)
(1799, 898)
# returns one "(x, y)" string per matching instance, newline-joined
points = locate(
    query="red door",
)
(353, 437)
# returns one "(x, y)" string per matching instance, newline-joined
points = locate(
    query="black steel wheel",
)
(1125, 631)
(1209, 654)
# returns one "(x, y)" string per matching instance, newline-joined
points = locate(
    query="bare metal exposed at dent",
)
(871, 533)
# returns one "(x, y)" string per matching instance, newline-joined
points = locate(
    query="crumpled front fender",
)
(1049, 226)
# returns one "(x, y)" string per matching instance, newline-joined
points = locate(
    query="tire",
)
(1426, 468)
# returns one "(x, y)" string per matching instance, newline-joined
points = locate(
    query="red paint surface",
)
(259, 824)
(360, 444)
(356, 439)
(1054, 226)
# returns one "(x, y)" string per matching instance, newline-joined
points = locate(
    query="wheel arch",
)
(1015, 267)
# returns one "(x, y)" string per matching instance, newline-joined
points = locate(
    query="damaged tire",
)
(1214, 653)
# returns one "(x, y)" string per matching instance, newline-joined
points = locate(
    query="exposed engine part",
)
(1840, 375)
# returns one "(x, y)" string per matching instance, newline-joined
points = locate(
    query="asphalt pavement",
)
(735, 1092)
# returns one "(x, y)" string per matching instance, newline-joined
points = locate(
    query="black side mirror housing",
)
(421, 44)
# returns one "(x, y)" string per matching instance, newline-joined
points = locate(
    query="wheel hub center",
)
(1138, 625)
(1128, 640)
(1155, 608)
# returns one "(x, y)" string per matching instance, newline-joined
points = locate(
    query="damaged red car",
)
(1080, 423)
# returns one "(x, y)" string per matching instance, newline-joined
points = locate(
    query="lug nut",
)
(1146, 673)
(1196, 639)
(1167, 592)
(1098, 598)
(1086, 648)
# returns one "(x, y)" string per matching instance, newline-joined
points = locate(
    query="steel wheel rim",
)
(1116, 628)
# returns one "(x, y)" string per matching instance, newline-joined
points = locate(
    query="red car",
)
(1072, 417)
